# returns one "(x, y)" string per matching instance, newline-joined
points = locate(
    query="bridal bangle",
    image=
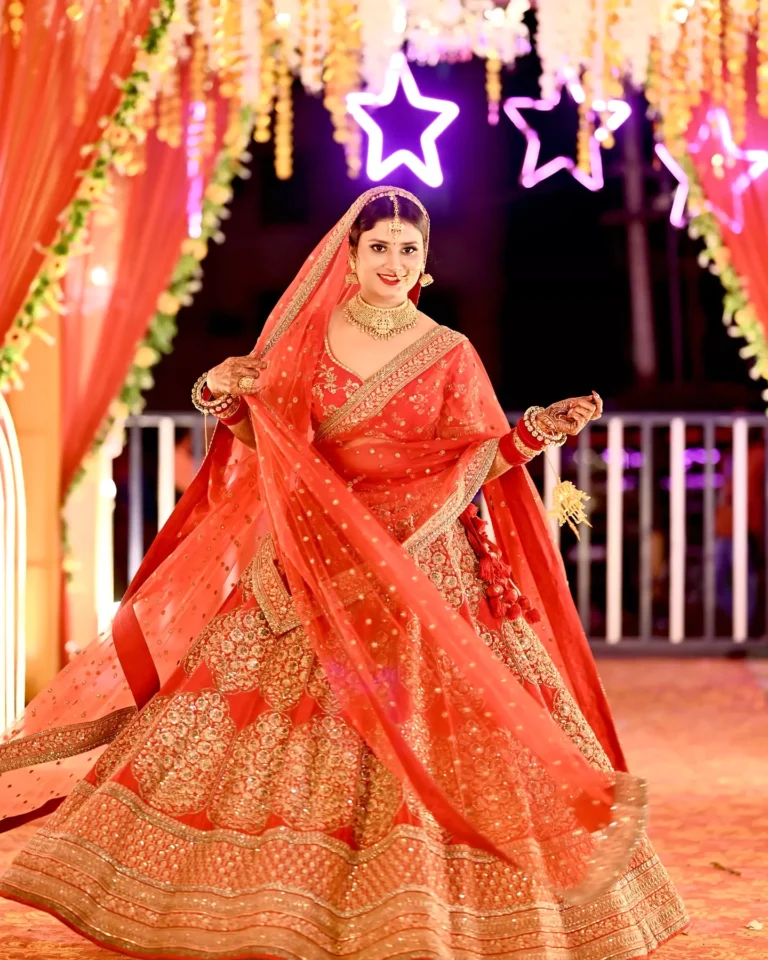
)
(529, 419)
(519, 447)
(224, 408)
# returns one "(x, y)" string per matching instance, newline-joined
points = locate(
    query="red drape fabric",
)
(724, 173)
(54, 89)
(99, 344)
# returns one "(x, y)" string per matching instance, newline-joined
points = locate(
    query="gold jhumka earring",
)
(351, 278)
(426, 280)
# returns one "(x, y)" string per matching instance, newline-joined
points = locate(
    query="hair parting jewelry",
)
(396, 225)
(381, 323)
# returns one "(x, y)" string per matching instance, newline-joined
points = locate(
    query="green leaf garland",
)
(45, 294)
(739, 313)
(185, 282)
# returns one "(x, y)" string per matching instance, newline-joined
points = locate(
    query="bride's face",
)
(388, 265)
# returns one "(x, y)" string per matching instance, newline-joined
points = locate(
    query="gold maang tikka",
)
(396, 224)
(396, 228)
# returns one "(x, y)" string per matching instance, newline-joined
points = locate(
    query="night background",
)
(537, 278)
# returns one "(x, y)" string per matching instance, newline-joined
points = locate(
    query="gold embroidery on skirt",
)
(245, 795)
(179, 764)
(320, 689)
(379, 797)
(120, 751)
(307, 896)
(316, 788)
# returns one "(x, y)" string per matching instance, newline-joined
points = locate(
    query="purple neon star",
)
(677, 213)
(756, 160)
(399, 79)
(618, 111)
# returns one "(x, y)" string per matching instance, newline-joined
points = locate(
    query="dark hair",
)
(382, 208)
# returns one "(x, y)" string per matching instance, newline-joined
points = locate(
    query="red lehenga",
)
(321, 741)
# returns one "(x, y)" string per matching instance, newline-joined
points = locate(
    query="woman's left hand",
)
(570, 416)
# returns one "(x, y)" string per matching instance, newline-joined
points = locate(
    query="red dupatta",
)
(484, 758)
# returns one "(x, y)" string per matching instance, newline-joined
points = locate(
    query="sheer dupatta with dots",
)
(499, 775)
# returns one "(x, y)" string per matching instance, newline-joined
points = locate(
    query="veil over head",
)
(484, 758)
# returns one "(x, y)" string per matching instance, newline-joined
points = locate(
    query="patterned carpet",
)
(698, 729)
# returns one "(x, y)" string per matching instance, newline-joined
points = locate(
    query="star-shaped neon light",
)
(756, 160)
(427, 166)
(677, 213)
(617, 113)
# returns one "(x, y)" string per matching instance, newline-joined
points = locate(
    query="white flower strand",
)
(250, 53)
(383, 25)
(561, 39)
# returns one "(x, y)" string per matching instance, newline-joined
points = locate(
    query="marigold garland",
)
(113, 150)
(185, 282)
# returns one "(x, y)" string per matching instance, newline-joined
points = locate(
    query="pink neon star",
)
(756, 160)
(531, 174)
(427, 167)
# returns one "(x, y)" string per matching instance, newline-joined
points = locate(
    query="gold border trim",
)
(267, 583)
(335, 423)
(80, 737)
(458, 501)
(368, 926)
(338, 362)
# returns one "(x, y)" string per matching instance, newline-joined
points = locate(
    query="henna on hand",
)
(225, 378)
(570, 416)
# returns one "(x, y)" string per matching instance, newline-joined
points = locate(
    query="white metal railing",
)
(13, 560)
(675, 557)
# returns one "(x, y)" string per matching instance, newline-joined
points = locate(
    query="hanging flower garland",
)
(739, 313)
(185, 282)
(115, 149)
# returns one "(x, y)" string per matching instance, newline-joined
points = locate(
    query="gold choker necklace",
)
(381, 323)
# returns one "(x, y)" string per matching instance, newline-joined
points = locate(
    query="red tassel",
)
(498, 607)
(492, 570)
(502, 596)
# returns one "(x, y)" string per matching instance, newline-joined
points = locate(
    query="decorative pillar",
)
(36, 413)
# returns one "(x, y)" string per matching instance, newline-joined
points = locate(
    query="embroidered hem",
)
(305, 896)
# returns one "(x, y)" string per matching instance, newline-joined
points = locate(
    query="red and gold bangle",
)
(518, 449)
(237, 414)
(205, 401)
(527, 438)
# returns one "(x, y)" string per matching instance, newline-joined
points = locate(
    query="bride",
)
(335, 715)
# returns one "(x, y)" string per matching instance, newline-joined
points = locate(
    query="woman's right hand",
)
(227, 376)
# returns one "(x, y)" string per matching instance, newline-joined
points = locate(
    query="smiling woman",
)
(366, 729)
(387, 252)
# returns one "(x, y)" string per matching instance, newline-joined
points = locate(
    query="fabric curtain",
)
(55, 87)
(735, 182)
(101, 332)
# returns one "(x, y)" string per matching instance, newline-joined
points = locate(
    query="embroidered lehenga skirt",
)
(239, 815)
